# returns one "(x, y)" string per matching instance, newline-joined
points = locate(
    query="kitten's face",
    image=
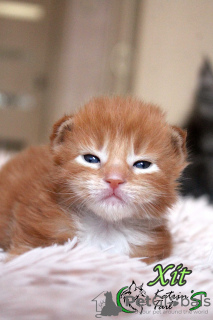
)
(119, 158)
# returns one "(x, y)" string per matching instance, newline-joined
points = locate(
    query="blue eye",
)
(142, 164)
(91, 158)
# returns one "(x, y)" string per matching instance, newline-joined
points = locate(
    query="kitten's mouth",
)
(112, 198)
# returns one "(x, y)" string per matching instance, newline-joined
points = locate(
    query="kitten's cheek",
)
(142, 195)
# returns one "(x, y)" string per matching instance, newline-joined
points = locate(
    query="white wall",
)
(77, 70)
(173, 38)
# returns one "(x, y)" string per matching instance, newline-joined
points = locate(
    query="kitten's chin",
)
(112, 209)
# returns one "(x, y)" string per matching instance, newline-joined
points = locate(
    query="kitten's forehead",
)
(118, 123)
(124, 148)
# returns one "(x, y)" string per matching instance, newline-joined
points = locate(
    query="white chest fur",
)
(114, 236)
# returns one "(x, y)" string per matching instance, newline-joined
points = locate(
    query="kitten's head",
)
(119, 158)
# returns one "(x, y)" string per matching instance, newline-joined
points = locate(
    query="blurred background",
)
(56, 54)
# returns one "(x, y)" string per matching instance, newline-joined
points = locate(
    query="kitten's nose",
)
(114, 183)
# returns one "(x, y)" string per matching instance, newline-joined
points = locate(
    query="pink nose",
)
(114, 183)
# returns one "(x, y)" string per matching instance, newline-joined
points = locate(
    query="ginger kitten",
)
(108, 176)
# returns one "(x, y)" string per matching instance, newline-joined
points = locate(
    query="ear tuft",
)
(60, 129)
(178, 140)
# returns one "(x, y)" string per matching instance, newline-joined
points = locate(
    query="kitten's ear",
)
(60, 130)
(178, 140)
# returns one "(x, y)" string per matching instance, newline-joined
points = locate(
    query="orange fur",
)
(44, 190)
